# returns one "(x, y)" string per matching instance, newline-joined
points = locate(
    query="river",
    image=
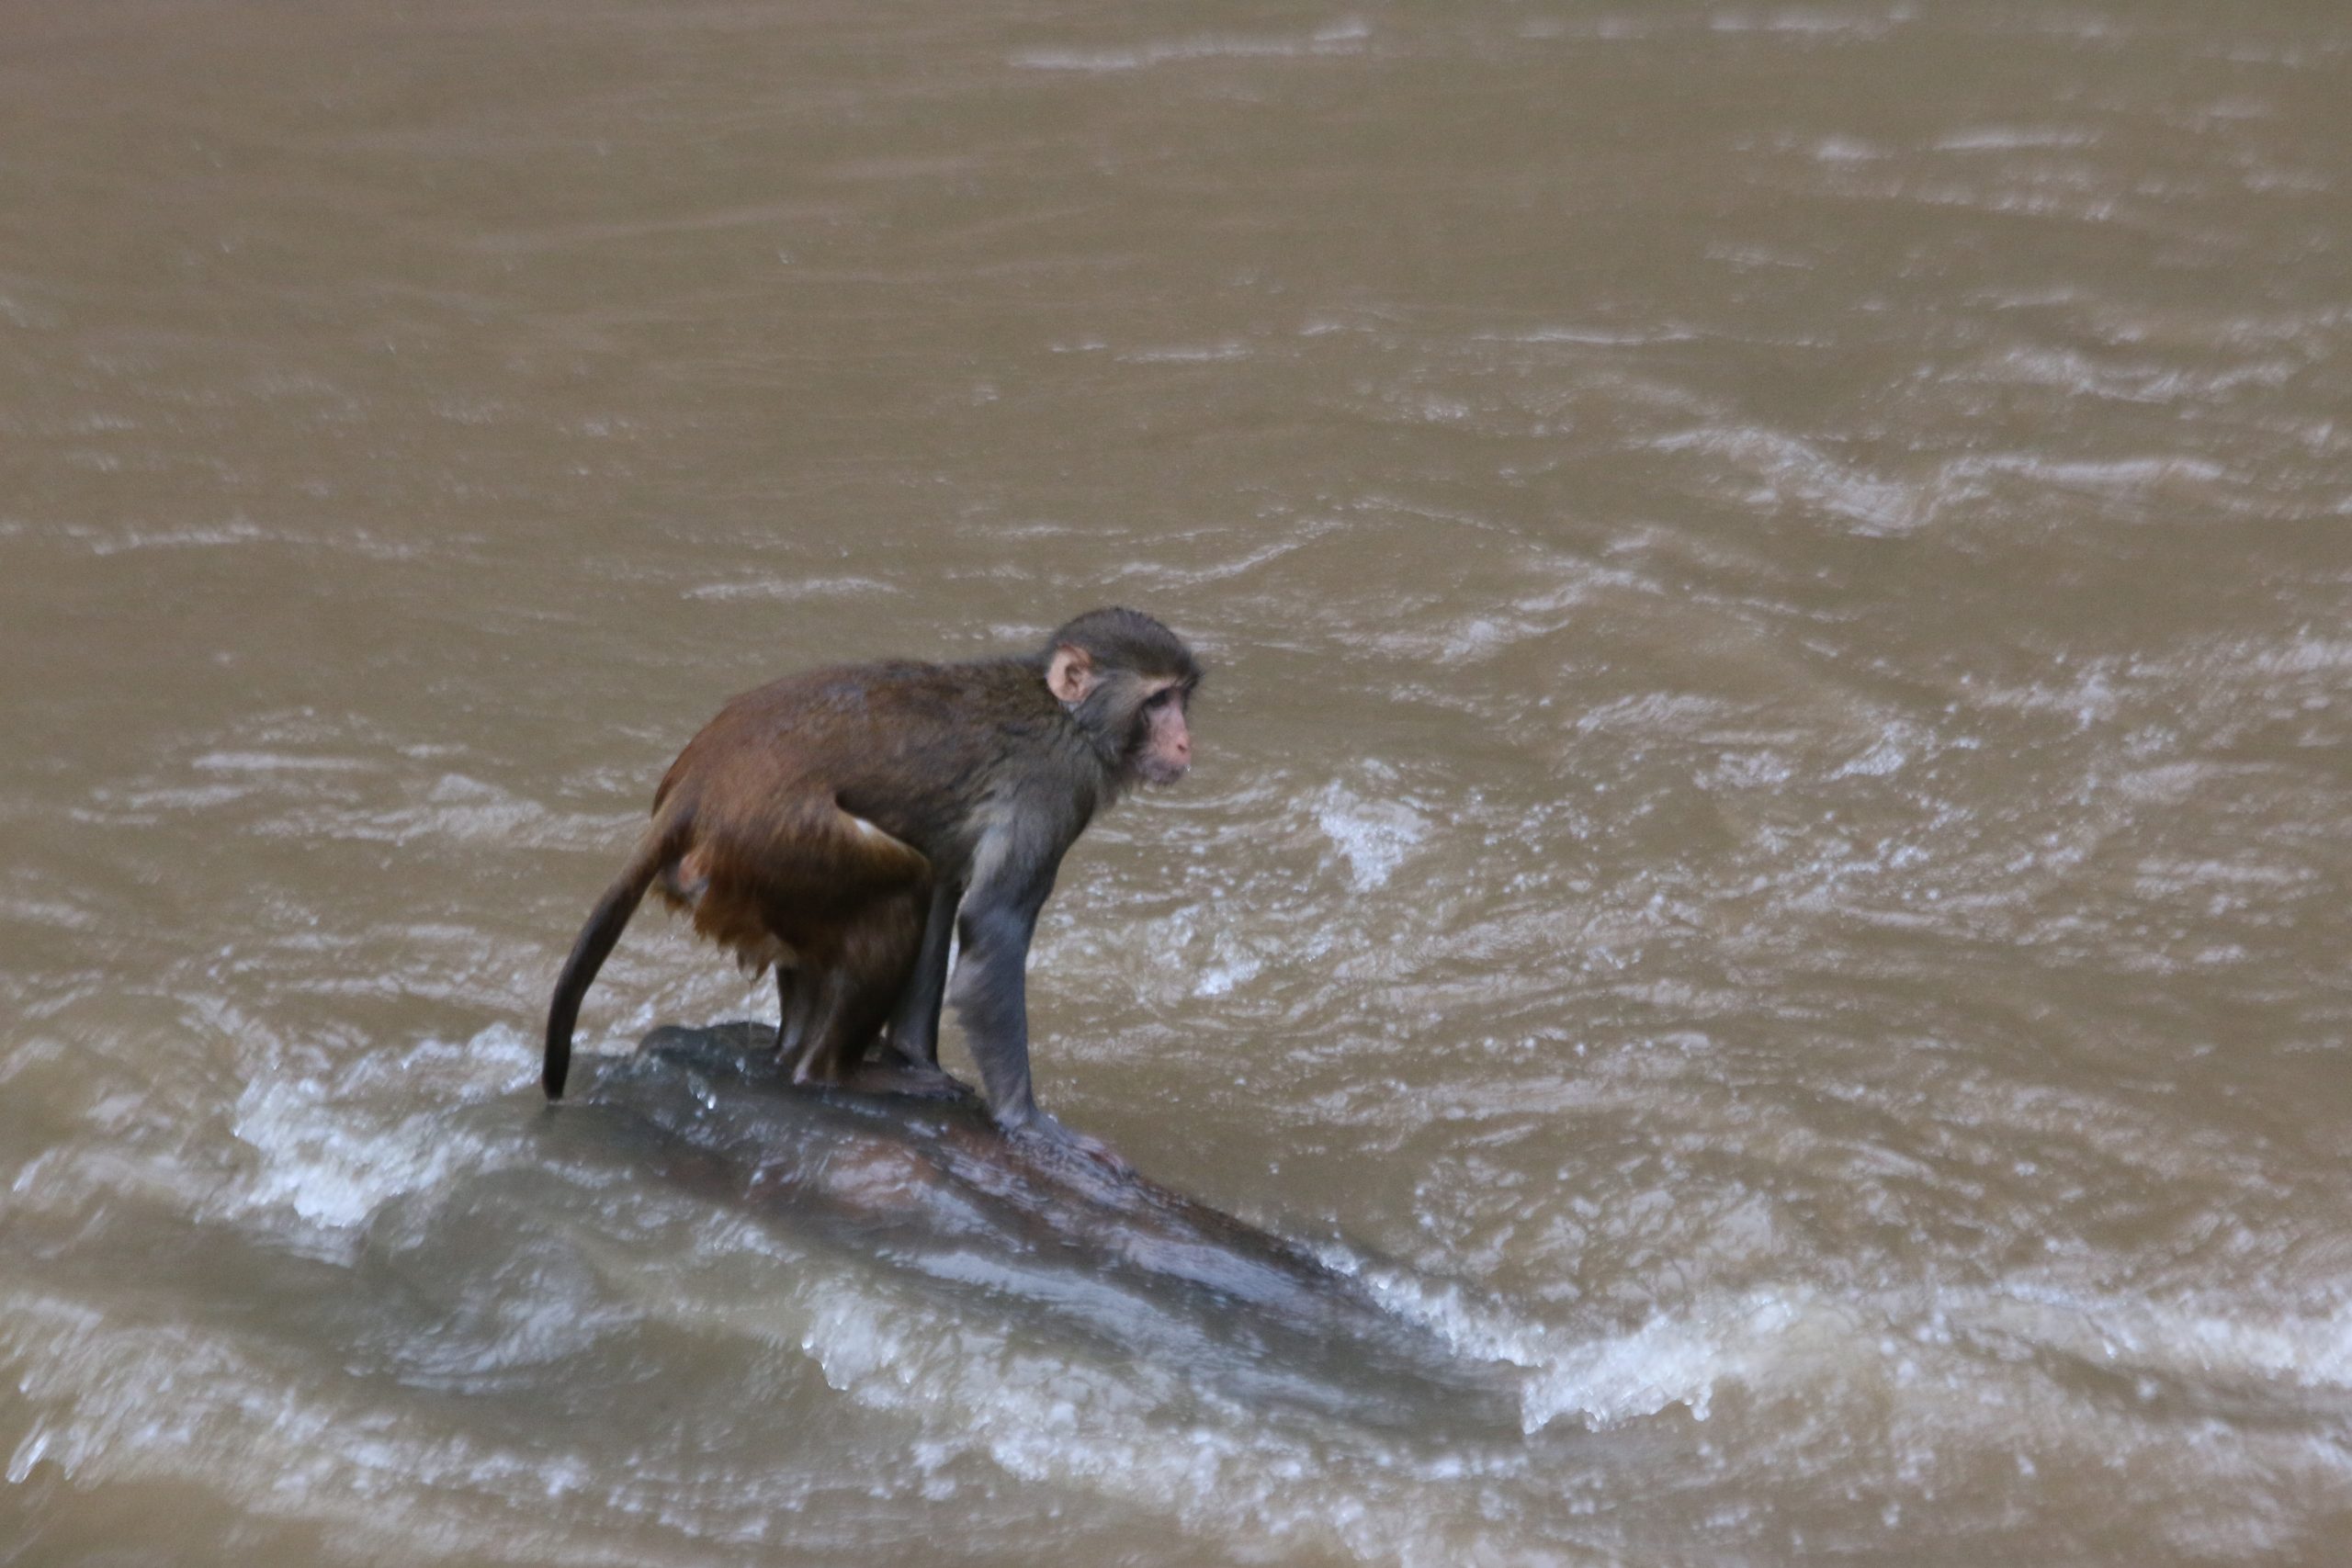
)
(1771, 841)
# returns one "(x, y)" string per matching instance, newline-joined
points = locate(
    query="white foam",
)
(2307, 655)
(1374, 835)
(2125, 476)
(1218, 978)
(1594, 337)
(274, 762)
(1847, 150)
(1785, 466)
(112, 542)
(2014, 137)
(1810, 21)
(1131, 1428)
(452, 807)
(1605, 1381)
(115, 1400)
(2183, 1338)
(332, 1151)
(791, 589)
(1188, 354)
(1888, 756)
(1345, 37)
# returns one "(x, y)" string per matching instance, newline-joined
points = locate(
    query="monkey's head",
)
(1127, 680)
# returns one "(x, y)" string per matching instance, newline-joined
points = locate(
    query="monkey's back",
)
(901, 738)
(816, 778)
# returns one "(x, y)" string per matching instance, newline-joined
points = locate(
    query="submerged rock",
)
(926, 1183)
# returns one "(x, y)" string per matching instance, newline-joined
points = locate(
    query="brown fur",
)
(827, 826)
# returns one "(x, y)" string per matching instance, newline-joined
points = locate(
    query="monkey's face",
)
(1129, 680)
(1163, 745)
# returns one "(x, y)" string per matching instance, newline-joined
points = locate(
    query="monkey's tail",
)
(595, 944)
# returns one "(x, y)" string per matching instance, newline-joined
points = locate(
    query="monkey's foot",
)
(1042, 1132)
(896, 1075)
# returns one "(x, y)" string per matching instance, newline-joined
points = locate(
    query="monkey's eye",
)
(1161, 698)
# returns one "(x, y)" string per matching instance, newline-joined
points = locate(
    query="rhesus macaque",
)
(837, 825)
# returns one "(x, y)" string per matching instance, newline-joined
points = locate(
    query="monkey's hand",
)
(1041, 1131)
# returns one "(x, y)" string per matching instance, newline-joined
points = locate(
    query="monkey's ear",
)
(1070, 673)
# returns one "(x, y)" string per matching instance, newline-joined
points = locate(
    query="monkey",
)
(841, 825)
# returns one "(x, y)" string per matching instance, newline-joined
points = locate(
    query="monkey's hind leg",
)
(838, 1029)
(868, 967)
(796, 997)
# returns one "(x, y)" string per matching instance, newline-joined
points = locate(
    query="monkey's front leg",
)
(990, 998)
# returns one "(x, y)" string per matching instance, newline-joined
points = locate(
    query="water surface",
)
(1770, 849)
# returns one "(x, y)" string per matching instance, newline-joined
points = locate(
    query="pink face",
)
(1165, 754)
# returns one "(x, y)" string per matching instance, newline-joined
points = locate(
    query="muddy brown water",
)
(1771, 850)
